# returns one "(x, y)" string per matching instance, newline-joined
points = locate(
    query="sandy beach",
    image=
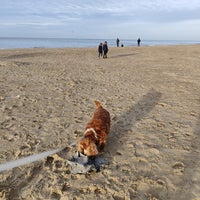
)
(153, 96)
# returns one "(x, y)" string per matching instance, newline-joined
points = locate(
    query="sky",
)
(127, 19)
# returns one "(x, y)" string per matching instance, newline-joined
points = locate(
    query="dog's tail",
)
(97, 103)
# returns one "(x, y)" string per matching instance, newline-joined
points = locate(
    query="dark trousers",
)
(105, 54)
(100, 54)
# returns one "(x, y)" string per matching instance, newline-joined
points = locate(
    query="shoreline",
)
(9, 43)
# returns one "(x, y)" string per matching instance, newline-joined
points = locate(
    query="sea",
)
(13, 43)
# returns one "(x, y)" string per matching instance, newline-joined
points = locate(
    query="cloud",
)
(90, 16)
(70, 10)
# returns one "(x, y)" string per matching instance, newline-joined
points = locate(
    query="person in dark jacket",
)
(100, 50)
(138, 41)
(117, 41)
(105, 49)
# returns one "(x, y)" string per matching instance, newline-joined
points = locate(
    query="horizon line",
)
(20, 37)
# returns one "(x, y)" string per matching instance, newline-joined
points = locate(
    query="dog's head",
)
(87, 147)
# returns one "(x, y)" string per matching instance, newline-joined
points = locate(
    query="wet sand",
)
(153, 96)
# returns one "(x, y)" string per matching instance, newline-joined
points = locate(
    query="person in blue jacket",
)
(105, 49)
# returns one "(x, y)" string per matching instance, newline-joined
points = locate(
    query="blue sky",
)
(127, 19)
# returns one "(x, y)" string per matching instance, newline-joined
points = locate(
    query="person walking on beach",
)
(100, 50)
(105, 49)
(138, 41)
(117, 41)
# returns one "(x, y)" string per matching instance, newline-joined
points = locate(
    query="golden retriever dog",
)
(96, 131)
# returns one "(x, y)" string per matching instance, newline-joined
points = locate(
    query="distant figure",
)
(105, 49)
(117, 41)
(138, 41)
(100, 50)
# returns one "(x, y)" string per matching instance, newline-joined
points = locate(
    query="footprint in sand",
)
(178, 168)
(57, 164)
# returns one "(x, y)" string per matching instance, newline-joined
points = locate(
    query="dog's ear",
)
(92, 150)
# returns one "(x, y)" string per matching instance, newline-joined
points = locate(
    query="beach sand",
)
(153, 96)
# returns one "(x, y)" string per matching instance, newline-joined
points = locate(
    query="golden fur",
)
(96, 131)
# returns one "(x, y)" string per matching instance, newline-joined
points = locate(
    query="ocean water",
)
(12, 43)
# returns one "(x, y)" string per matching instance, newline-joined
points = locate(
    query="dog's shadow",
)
(127, 120)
